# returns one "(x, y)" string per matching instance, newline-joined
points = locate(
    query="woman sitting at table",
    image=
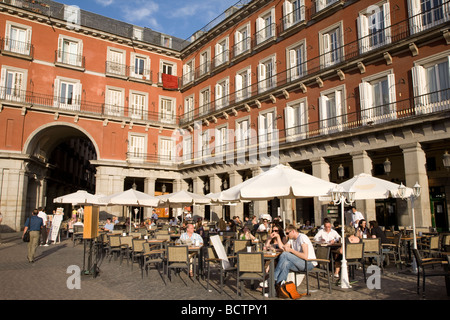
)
(349, 238)
(246, 234)
(277, 239)
(363, 230)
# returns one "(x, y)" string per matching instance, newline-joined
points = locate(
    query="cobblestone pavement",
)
(49, 276)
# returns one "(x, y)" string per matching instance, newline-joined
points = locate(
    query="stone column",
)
(214, 186)
(109, 181)
(149, 188)
(320, 169)
(238, 209)
(415, 171)
(259, 207)
(363, 164)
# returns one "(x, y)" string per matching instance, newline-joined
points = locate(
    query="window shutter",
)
(56, 93)
(288, 14)
(419, 88)
(326, 49)
(363, 32)
(387, 22)
(289, 117)
(261, 129)
(415, 16)
(366, 101)
(239, 87)
(262, 76)
(292, 64)
(392, 96)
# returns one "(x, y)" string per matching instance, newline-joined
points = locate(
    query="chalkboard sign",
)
(56, 224)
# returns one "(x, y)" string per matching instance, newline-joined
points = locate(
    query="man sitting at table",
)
(327, 234)
(109, 226)
(293, 258)
(190, 237)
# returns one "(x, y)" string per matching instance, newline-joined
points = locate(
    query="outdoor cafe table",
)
(271, 257)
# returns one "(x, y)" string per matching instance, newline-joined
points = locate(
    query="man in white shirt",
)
(356, 216)
(43, 216)
(294, 256)
(327, 234)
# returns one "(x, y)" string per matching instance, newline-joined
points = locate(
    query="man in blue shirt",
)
(34, 223)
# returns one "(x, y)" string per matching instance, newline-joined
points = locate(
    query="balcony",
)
(19, 49)
(69, 60)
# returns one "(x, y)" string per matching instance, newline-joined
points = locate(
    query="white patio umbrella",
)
(182, 199)
(362, 187)
(131, 198)
(81, 197)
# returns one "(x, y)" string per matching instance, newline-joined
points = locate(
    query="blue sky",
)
(179, 18)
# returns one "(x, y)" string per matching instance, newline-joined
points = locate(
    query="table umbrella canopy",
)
(81, 197)
(278, 182)
(366, 186)
(183, 199)
(131, 197)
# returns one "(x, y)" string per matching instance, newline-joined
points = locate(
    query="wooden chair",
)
(113, 246)
(138, 251)
(126, 245)
(394, 250)
(431, 247)
(77, 234)
(241, 245)
(250, 266)
(423, 265)
(372, 249)
(152, 255)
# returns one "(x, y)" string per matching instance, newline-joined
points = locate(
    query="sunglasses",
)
(275, 230)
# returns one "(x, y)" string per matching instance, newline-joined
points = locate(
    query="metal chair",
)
(394, 250)
(152, 255)
(77, 234)
(423, 264)
(126, 245)
(431, 247)
(113, 246)
(250, 266)
(211, 259)
(241, 245)
(177, 258)
(137, 252)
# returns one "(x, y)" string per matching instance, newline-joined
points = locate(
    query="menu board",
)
(56, 224)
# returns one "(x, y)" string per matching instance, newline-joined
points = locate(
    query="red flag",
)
(169, 81)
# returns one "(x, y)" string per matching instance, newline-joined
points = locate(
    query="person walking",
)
(35, 224)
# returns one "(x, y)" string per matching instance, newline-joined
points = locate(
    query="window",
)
(331, 46)
(13, 84)
(221, 52)
(166, 41)
(374, 27)
(221, 141)
(166, 151)
(17, 38)
(266, 74)
(204, 62)
(137, 147)
(296, 57)
(138, 105)
(166, 67)
(296, 120)
(114, 102)
(322, 4)
(431, 83)
(242, 134)
(294, 12)
(425, 14)
(243, 84)
(167, 110)
(187, 149)
(205, 144)
(140, 67)
(242, 40)
(332, 110)
(267, 125)
(188, 72)
(70, 51)
(67, 94)
(265, 26)
(204, 101)
(138, 33)
(377, 96)
(115, 63)
(221, 93)
(189, 108)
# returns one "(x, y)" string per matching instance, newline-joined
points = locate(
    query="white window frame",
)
(322, 4)
(266, 83)
(114, 101)
(189, 107)
(422, 103)
(243, 134)
(221, 140)
(164, 65)
(14, 93)
(204, 106)
(137, 147)
(292, 16)
(75, 101)
(420, 21)
(377, 114)
(116, 61)
(145, 74)
(296, 120)
(334, 123)
(243, 84)
(165, 115)
(221, 52)
(14, 45)
(205, 62)
(370, 19)
(188, 71)
(327, 53)
(264, 31)
(70, 58)
(138, 105)
(267, 125)
(166, 150)
(166, 41)
(296, 70)
(241, 44)
(221, 93)
(138, 33)
(187, 149)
